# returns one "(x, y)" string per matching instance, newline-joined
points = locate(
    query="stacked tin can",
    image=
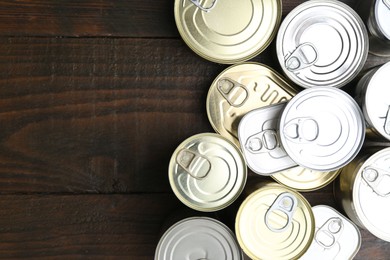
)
(303, 139)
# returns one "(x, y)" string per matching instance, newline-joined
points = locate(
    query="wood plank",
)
(119, 18)
(101, 226)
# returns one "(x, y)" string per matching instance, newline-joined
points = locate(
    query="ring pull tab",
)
(205, 9)
(263, 142)
(195, 164)
(329, 233)
(301, 130)
(234, 92)
(386, 126)
(378, 180)
(387, 3)
(280, 215)
(302, 57)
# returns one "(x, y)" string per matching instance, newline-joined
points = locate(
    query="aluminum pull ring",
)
(264, 142)
(374, 177)
(235, 93)
(205, 9)
(301, 130)
(305, 55)
(329, 233)
(286, 203)
(195, 164)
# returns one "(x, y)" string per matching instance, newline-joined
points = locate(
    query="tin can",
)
(376, 14)
(304, 179)
(336, 237)
(259, 140)
(207, 172)
(363, 189)
(322, 43)
(372, 94)
(240, 89)
(198, 238)
(227, 31)
(275, 222)
(322, 128)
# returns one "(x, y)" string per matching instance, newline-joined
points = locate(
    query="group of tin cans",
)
(303, 139)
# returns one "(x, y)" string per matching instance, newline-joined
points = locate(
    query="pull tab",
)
(196, 165)
(234, 92)
(387, 3)
(378, 180)
(328, 235)
(205, 9)
(263, 142)
(301, 129)
(386, 126)
(302, 57)
(283, 207)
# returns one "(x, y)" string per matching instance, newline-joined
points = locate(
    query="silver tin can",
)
(336, 237)
(259, 141)
(322, 128)
(363, 189)
(207, 172)
(372, 94)
(322, 43)
(376, 14)
(198, 238)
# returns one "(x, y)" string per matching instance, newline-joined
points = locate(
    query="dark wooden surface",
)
(94, 98)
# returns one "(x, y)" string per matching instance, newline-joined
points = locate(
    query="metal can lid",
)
(260, 142)
(304, 179)
(322, 128)
(207, 172)
(336, 237)
(322, 43)
(240, 89)
(376, 101)
(198, 238)
(371, 194)
(275, 222)
(382, 16)
(227, 31)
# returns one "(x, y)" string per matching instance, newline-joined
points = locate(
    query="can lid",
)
(259, 140)
(240, 89)
(275, 222)
(207, 172)
(382, 16)
(227, 31)
(371, 194)
(322, 43)
(376, 101)
(198, 238)
(336, 237)
(304, 179)
(322, 128)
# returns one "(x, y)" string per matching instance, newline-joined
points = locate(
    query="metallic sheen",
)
(275, 223)
(322, 43)
(198, 238)
(207, 172)
(240, 89)
(227, 31)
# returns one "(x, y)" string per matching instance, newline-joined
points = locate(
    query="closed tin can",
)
(322, 43)
(198, 238)
(335, 238)
(259, 140)
(274, 222)
(240, 89)
(207, 172)
(304, 179)
(372, 94)
(363, 189)
(322, 128)
(376, 14)
(227, 31)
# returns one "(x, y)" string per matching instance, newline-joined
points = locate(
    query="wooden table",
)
(94, 98)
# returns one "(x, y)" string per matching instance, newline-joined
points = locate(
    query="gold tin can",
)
(207, 172)
(275, 222)
(364, 192)
(242, 88)
(227, 31)
(304, 179)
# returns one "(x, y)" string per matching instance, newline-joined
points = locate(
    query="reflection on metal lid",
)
(382, 17)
